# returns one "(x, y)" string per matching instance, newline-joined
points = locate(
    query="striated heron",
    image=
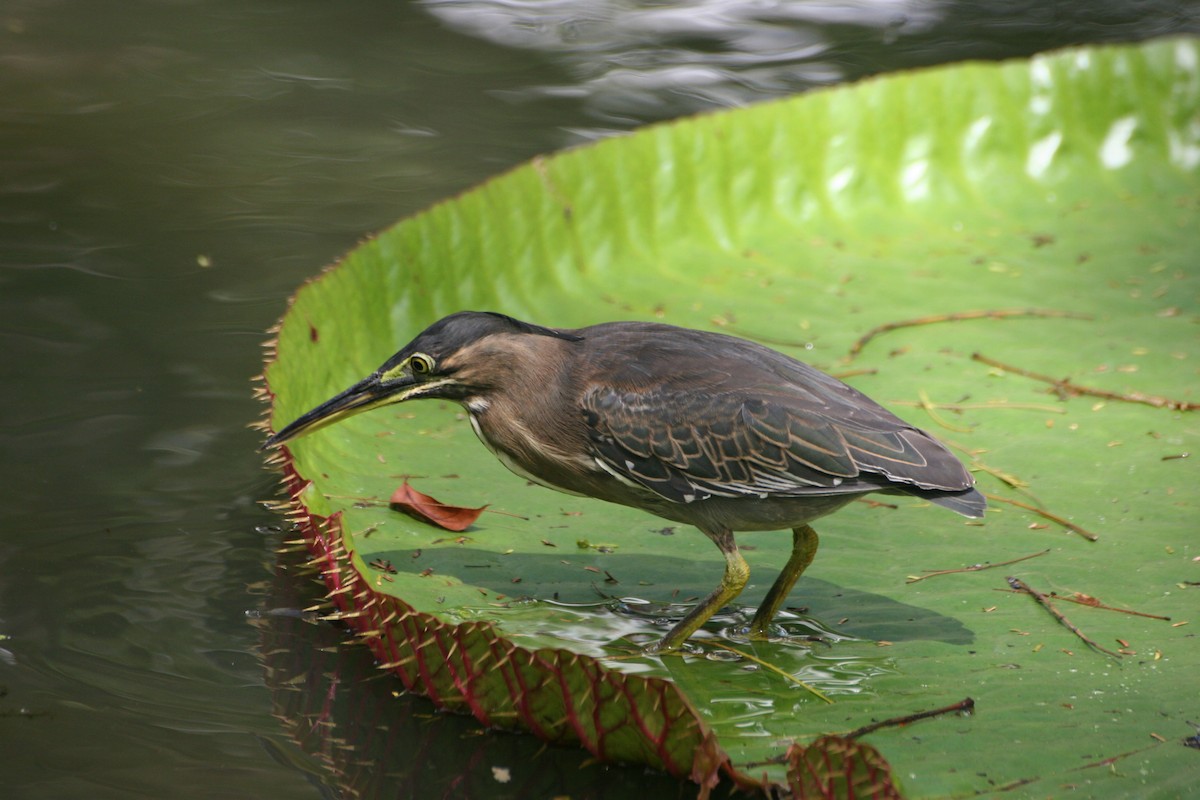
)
(697, 427)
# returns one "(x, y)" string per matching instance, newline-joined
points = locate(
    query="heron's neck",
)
(530, 418)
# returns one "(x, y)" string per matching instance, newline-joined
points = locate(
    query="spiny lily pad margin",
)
(1066, 178)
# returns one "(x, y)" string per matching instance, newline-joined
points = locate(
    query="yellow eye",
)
(420, 364)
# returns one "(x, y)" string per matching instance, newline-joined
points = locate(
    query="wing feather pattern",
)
(772, 427)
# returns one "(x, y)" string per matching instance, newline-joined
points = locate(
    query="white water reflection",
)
(657, 59)
(634, 61)
(614, 631)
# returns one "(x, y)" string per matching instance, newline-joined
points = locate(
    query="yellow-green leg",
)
(737, 572)
(804, 548)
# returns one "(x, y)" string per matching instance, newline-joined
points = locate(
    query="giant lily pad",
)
(1065, 183)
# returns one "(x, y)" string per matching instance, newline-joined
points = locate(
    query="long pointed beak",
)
(368, 393)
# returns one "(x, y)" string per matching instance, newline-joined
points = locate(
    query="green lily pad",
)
(1066, 183)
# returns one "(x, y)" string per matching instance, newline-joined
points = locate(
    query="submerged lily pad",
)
(1068, 182)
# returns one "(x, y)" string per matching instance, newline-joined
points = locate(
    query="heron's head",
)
(452, 359)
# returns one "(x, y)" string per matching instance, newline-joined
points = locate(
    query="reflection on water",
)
(373, 741)
(634, 61)
(638, 61)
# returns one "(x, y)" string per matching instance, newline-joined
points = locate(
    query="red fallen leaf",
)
(428, 509)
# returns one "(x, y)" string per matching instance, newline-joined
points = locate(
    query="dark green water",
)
(169, 172)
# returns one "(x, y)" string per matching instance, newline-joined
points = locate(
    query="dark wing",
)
(761, 425)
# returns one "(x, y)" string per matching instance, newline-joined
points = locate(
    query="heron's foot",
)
(763, 630)
(804, 548)
(732, 582)
(664, 648)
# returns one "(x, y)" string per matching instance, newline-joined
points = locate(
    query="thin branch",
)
(1045, 603)
(1041, 512)
(1066, 387)
(964, 706)
(1018, 483)
(1014, 481)
(787, 675)
(1005, 313)
(1092, 602)
(765, 339)
(1008, 787)
(933, 573)
(1097, 605)
(986, 406)
(850, 373)
(930, 408)
(1108, 762)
